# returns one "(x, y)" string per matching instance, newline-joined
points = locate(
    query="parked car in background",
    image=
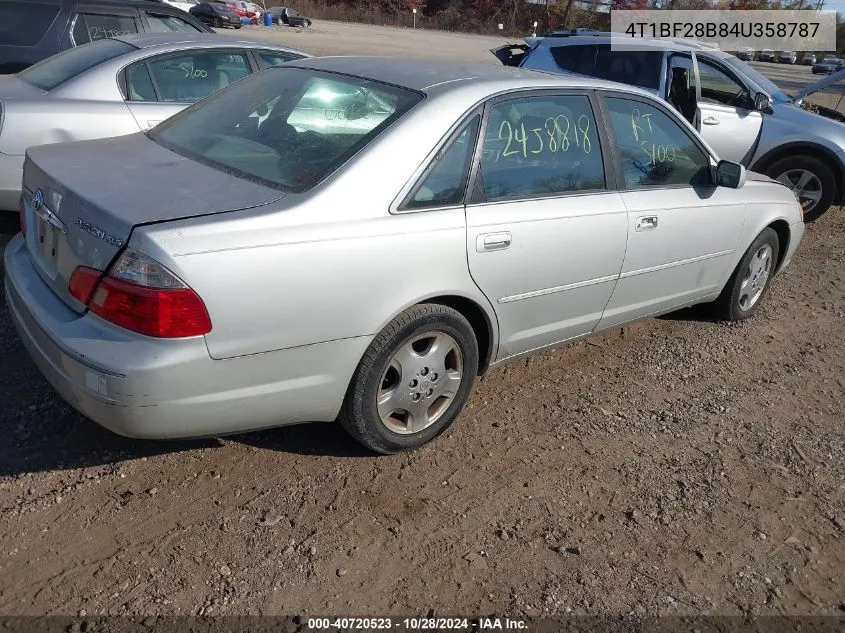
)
(184, 5)
(742, 114)
(787, 57)
(766, 55)
(202, 305)
(248, 9)
(285, 15)
(243, 12)
(808, 59)
(117, 86)
(32, 30)
(217, 15)
(828, 65)
(745, 54)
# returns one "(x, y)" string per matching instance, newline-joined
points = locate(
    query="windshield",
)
(285, 127)
(60, 68)
(777, 95)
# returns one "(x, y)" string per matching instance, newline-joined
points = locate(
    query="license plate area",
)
(44, 244)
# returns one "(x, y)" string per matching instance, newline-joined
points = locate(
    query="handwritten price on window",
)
(553, 137)
(193, 73)
(101, 32)
(656, 153)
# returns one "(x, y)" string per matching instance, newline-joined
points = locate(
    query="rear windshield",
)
(25, 23)
(285, 127)
(640, 68)
(60, 68)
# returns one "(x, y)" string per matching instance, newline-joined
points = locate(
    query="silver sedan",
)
(358, 239)
(116, 86)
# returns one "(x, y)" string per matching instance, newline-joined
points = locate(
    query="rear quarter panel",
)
(309, 283)
(51, 120)
(329, 264)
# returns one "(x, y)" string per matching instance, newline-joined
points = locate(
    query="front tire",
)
(750, 281)
(413, 381)
(811, 180)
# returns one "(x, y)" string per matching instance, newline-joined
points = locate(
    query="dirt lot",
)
(341, 38)
(679, 466)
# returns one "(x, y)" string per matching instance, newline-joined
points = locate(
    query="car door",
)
(680, 86)
(727, 120)
(160, 86)
(682, 230)
(545, 230)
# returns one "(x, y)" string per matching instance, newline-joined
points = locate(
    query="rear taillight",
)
(22, 215)
(141, 295)
(83, 282)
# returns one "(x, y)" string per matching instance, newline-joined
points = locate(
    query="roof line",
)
(448, 81)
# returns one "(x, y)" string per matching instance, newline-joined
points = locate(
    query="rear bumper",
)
(157, 388)
(11, 174)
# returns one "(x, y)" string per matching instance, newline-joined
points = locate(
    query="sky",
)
(838, 5)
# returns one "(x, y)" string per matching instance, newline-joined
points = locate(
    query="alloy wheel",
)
(806, 186)
(420, 383)
(754, 282)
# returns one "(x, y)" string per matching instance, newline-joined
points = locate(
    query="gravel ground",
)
(678, 466)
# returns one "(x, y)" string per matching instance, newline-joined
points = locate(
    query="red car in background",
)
(245, 10)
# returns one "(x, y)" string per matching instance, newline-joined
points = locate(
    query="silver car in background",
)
(116, 86)
(742, 114)
(359, 238)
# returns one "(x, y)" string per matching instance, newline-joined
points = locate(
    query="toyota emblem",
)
(37, 200)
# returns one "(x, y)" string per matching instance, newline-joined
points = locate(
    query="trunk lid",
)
(83, 199)
(806, 91)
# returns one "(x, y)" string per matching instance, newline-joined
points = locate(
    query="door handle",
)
(493, 242)
(646, 223)
(711, 120)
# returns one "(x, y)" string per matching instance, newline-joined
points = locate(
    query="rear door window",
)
(194, 76)
(23, 23)
(639, 68)
(90, 27)
(162, 23)
(541, 146)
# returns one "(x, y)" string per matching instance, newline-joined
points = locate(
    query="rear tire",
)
(751, 279)
(812, 180)
(413, 381)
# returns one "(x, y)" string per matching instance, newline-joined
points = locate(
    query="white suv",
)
(742, 115)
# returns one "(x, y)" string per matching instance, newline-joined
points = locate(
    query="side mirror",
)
(761, 102)
(730, 174)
